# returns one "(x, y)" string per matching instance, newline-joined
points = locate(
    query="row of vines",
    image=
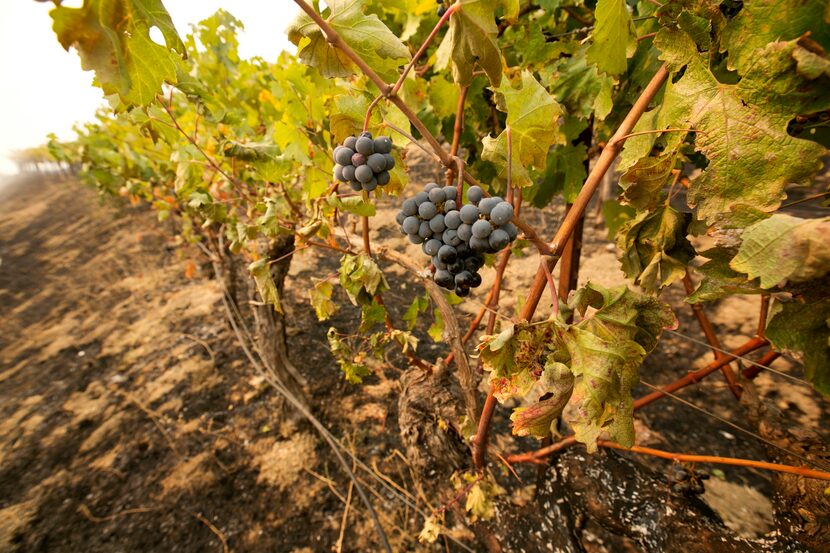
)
(711, 112)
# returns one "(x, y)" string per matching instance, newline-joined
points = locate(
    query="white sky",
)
(43, 89)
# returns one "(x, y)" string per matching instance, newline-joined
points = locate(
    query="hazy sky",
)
(43, 89)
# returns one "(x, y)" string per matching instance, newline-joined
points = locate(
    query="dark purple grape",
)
(400, 217)
(502, 213)
(487, 204)
(383, 145)
(363, 174)
(390, 161)
(371, 185)
(367, 134)
(438, 264)
(482, 228)
(479, 244)
(356, 186)
(409, 207)
(411, 224)
(383, 178)
(443, 279)
(474, 194)
(365, 145)
(511, 230)
(427, 210)
(469, 214)
(499, 239)
(377, 162)
(450, 237)
(475, 280)
(432, 246)
(430, 186)
(437, 223)
(338, 173)
(452, 219)
(343, 155)
(350, 142)
(463, 278)
(449, 205)
(358, 160)
(472, 264)
(415, 239)
(456, 267)
(348, 173)
(450, 192)
(465, 231)
(424, 231)
(436, 195)
(447, 254)
(462, 291)
(421, 197)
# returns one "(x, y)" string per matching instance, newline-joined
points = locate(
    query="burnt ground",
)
(131, 421)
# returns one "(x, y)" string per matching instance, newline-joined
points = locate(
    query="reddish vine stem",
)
(696, 376)
(712, 338)
(456, 137)
(762, 315)
(606, 158)
(763, 361)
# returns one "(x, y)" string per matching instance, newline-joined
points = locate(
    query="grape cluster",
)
(454, 238)
(364, 162)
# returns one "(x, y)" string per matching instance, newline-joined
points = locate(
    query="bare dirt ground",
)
(130, 421)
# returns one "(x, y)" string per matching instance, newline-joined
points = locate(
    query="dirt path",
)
(129, 420)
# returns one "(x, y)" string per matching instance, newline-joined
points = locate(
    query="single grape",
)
(441, 11)
(343, 155)
(469, 214)
(365, 145)
(479, 244)
(443, 278)
(358, 160)
(356, 186)
(474, 194)
(427, 210)
(452, 219)
(390, 161)
(350, 142)
(400, 217)
(367, 134)
(409, 207)
(482, 228)
(449, 205)
(502, 213)
(447, 254)
(430, 186)
(472, 264)
(511, 230)
(450, 192)
(486, 205)
(348, 173)
(463, 278)
(436, 195)
(411, 224)
(383, 145)
(462, 291)
(383, 178)
(456, 267)
(420, 198)
(437, 223)
(377, 162)
(475, 280)
(432, 246)
(371, 185)
(465, 232)
(463, 249)
(424, 231)
(363, 174)
(338, 173)
(499, 239)
(450, 237)
(415, 239)
(438, 264)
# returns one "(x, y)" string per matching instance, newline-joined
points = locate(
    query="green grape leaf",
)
(350, 364)
(261, 271)
(361, 278)
(112, 38)
(606, 349)
(320, 296)
(613, 37)
(353, 204)
(575, 83)
(419, 305)
(564, 173)
(482, 491)
(536, 420)
(371, 314)
(472, 39)
(615, 215)
(763, 21)
(436, 329)
(720, 280)
(654, 250)
(532, 116)
(803, 328)
(364, 33)
(643, 182)
(515, 357)
(749, 151)
(785, 248)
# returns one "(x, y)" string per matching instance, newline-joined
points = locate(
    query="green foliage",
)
(320, 296)
(361, 278)
(472, 40)
(803, 328)
(613, 37)
(261, 272)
